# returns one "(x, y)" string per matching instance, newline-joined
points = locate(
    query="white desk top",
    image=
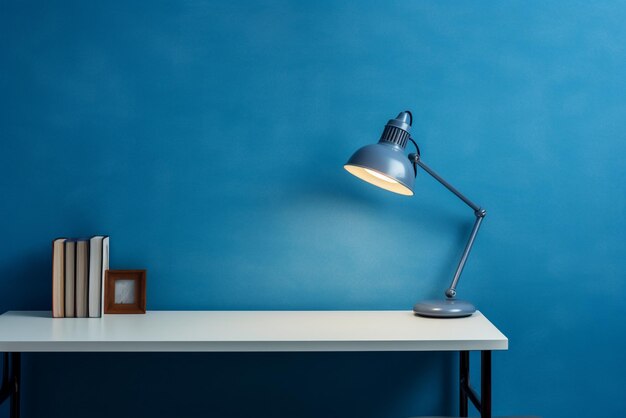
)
(23, 331)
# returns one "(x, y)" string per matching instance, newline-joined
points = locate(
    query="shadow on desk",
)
(34, 314)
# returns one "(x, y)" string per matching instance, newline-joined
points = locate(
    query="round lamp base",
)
(447, 308)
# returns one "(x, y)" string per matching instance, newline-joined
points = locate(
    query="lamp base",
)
(447, 308)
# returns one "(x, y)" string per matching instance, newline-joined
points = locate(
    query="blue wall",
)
(207, 139)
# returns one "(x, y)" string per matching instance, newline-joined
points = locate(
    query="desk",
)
(257, 331)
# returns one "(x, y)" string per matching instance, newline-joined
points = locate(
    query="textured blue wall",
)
(208, 140)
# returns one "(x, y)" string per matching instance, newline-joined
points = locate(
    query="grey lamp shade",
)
(384, 165)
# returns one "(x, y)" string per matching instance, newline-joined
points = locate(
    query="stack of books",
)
(78, 267)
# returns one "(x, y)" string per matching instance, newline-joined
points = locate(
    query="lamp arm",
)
(478, 212)
(418, 161)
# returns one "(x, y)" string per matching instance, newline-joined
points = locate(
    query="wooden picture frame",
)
(125, 292)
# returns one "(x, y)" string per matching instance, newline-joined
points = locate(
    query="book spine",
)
(58, 278)
(82, 276)
(70, 278)
(105, 267)
(95, 275)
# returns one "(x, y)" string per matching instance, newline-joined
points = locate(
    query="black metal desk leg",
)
(485, 384)
(15, 398)
(482, 403)
(11, 383)
(464, 380)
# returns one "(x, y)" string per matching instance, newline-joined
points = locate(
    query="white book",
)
(95, 276)
(82, 277)
(105, 267)
(70, 278)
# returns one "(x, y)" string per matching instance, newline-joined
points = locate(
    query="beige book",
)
(70, 278)
(82, 277)
(58, 278)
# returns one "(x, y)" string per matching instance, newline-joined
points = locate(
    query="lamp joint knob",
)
(480, 213)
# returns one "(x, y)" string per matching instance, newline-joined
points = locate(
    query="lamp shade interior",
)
(383, 165)
(378, 179)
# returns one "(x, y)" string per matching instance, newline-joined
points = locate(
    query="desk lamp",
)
(385, 165)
